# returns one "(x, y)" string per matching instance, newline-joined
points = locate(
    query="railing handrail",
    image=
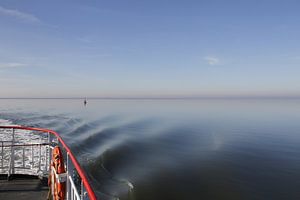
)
(80, 171)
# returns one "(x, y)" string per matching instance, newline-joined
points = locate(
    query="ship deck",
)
(23, 187)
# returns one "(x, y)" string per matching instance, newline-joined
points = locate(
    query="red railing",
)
(80, 171)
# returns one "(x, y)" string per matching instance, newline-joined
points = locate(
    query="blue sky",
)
(154, 48)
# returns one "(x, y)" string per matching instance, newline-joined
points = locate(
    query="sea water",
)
(175, 149)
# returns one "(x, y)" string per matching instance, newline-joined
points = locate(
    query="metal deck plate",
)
(22, 187)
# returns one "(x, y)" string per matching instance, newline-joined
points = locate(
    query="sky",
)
(149, 48)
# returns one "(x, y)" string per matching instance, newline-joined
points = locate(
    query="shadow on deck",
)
(23, 187)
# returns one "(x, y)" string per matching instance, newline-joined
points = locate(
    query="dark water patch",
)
(105, 182)
(147, 157)
(189, 160)
(206, 181)
(254, 171)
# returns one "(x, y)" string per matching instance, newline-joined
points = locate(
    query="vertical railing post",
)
(23, 157)
(32, 157)
(40, 157)
(81, 190)
(69, 173)
(83, 194)
(48, 152)
(2, 155)
(12, 156)
(13, 152)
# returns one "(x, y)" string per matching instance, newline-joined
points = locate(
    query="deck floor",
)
(22, 187)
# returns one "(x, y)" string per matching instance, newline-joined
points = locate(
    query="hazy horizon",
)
(167, 97)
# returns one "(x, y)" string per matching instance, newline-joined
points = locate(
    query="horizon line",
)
(172, 97)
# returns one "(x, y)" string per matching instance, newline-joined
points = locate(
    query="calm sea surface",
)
(176, 149)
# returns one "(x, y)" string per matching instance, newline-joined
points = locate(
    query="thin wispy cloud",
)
(11, 65)
(211, 60)
(26, 17)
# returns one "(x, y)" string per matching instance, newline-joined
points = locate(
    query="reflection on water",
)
(176, 149)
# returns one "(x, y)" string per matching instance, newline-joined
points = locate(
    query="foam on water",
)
(5, 122)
